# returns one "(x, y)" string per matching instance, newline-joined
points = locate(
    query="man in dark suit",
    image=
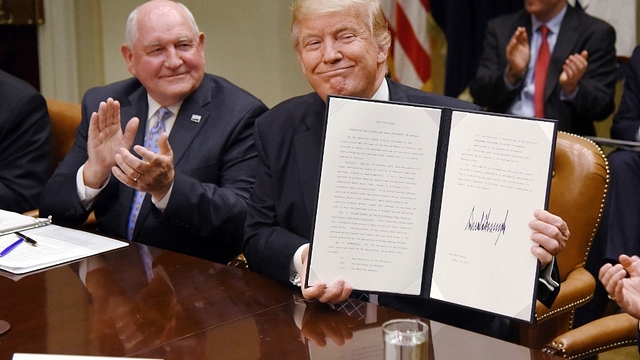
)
(580, 82)
(342, 49)
(619, 228)
(198, 177)
(25, 144)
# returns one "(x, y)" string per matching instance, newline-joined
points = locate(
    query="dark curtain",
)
(464, 23)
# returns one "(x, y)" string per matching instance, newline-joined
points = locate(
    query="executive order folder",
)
(55, 244)
(432, 202)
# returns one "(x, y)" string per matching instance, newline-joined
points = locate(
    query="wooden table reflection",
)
(143, 302)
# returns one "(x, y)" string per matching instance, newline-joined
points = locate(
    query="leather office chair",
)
(65, 118)
(604, 334)
(239, 262)
(578, 190)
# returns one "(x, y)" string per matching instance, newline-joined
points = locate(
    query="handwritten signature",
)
(485, 225)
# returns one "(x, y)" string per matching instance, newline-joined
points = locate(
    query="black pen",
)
(29, 240)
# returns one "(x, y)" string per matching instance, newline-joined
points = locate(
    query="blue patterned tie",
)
(151, 143)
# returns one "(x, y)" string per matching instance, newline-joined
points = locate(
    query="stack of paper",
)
(56, 244)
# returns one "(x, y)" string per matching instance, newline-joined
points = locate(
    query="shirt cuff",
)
(507, 83)
(295, 268)
(86, 194)
(545, 276)
(162, 203)
(571, 97)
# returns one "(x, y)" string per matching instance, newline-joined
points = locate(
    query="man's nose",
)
(332, 52)
(173, 59)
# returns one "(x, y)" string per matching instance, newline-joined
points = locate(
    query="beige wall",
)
(246, 41)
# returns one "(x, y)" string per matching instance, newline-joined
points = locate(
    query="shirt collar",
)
(553, 25)
(383, 91)
(154, 106)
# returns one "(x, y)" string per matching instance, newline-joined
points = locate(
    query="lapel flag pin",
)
(196, 118)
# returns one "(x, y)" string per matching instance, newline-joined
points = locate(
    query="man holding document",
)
(342, 47)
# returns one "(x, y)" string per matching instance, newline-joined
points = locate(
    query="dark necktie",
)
(151, 143)
(540, 73)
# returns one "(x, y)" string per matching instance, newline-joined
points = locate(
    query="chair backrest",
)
(578, 190)
(65, 118)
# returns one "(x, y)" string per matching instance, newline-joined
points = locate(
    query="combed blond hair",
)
(302, 9)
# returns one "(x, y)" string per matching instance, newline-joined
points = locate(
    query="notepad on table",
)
(56, 244)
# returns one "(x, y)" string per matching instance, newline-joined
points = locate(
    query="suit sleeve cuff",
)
(546, 277)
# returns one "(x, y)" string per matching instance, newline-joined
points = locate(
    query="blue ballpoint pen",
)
(10, 247)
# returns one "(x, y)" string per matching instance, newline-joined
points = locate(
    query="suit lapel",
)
(567, 37)
(308, 152)
(137, 107)
(396, 93)
(189, 121)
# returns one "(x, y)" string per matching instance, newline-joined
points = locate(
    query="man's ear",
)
(383, 52)
(127, 55)
(201, 40)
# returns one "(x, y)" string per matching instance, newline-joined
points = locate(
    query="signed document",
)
(431, 202)
(497, 174)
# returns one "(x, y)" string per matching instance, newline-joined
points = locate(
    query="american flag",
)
(410, 54)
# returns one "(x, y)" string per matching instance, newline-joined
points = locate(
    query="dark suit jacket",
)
(578, 32)
(25, 144)
(213, 158)
(283, 203)
(626, 121)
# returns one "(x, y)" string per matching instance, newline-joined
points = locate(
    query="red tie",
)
(540, 75)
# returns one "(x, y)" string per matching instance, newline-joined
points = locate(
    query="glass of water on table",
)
(405, 339)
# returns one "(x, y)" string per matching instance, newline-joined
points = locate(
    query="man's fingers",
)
(124, 164)
(163, 145)
(585, 54)
(313, 292)
(603, 271)
(543, 255)
(130, 132)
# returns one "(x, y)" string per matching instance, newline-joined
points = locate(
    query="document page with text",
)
(431, 202)
(497, 174)
(375, 193)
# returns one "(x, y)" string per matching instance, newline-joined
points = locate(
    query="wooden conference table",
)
(180, 307)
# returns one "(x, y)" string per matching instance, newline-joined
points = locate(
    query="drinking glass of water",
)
(405, 339)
